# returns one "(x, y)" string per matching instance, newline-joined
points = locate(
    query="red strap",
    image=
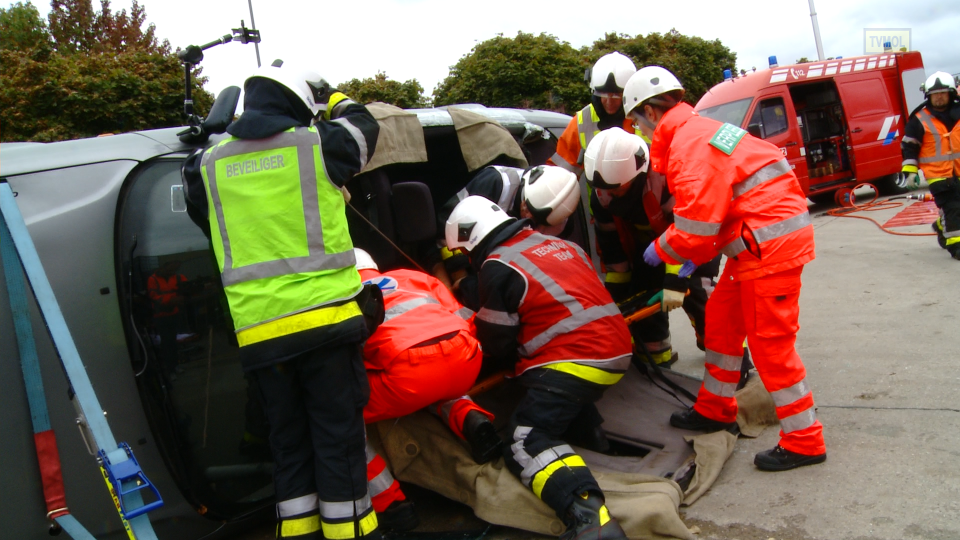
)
(50, 475)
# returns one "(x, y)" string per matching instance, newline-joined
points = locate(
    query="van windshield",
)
(731, 113)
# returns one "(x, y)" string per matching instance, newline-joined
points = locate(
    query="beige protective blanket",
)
(482, 140)
(400, 139)
(422, 451)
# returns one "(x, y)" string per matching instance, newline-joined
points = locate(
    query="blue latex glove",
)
(650, 255)
(687, 269)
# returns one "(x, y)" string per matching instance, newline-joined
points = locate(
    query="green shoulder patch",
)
(727, 138)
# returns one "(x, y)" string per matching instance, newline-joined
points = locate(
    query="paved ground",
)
(879, 336)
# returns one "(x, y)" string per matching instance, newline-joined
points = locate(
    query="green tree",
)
(697, 62)
(527, 71)
(406, 95)
(23, 29)
(104, 74)
(802, 60)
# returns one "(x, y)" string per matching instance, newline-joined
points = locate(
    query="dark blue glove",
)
(688, 268)
(650, 255)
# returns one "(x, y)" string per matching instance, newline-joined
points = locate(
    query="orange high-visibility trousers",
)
(766, 311)
(421, 376)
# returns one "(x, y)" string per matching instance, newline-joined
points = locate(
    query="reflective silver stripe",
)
(498, 317)
(567, 325)
(655, 346)
(520, 455)
(766, 173)
(462, 194)
(698, 228)
(718, 388)
(298, 506)
(357, 136)
(380, 483)
(558, 160)
(951, 234)
(801, 420)
(725, 362)
(612, 365)
(448, 406)
(403, 307)
(511, 183)
(317, 260)
(938, 158)
(910, 162)
(909, 140)
(734, 248)
(543, 459)
(782, 228)
(465, 313)
(666, 247)
(371, 453)
(346, 509)
(791, 394)
(927, 121)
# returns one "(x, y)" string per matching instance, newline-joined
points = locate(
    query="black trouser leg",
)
(946, 195)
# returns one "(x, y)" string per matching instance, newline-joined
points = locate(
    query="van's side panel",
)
(874, 121)
(789, 141)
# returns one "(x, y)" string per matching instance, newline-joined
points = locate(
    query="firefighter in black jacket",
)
(546, 317)
(270, 198)
(931, 143)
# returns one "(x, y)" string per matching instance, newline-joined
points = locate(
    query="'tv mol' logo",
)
(796, 73)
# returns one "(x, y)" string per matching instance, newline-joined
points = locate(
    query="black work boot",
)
(694, 421)
(779, 458)
(479, 432)
(399, 516)
(588, 519)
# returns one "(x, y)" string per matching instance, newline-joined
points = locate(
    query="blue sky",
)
(421, 39)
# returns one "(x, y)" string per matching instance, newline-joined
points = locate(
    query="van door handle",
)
(791, 143)
(857, 130)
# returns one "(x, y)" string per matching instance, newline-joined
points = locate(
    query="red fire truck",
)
(838, 122)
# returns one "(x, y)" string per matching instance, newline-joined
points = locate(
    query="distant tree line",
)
(84, 72)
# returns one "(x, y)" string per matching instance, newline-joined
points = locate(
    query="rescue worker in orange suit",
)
(424, 354)
(735, 194)
(931, 143)
(163, 288)
(271, 195)
(606, 78)
(631, 208)
(546, 316)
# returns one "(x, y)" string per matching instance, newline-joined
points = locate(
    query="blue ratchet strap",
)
(127, 478)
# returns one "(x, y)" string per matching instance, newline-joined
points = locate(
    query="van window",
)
(731, 113)
(771, 116)
(203, 411)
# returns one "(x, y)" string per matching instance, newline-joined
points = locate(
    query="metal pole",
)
(256, 46)
(816, 30)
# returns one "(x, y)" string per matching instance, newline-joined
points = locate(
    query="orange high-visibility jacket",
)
(940, 150)
(575, 138)
(162, 291)
(418, 308)
(735, 194)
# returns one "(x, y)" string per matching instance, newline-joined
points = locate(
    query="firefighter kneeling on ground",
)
(423, 354)
(546, 316)
(736, 195)
(931, 142)
(631, 208)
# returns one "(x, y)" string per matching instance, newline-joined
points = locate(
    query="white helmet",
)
(610, 73)
(550, 193)
(364, 260)
(648, 83)
(312, 89)
(940, 81)
(471, 221)
(615, 157)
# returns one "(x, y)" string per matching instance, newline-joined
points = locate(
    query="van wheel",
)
(887, 185)
(825, 198)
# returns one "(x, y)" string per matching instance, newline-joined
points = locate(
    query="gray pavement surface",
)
(879, 337)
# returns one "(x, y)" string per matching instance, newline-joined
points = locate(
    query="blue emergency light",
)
(727, 74)
(773, 61)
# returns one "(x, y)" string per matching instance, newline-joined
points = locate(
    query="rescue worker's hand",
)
(669, 299)
(907, 180)
(688, 268)
(650, 255)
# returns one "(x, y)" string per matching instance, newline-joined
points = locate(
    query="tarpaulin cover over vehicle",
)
(483, 139)
(400, 139)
